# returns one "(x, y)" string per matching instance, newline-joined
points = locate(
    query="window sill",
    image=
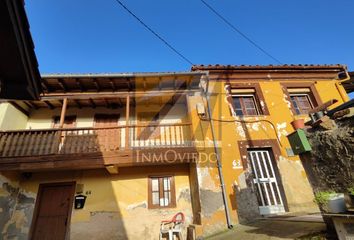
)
(250, 116)
(156, 208)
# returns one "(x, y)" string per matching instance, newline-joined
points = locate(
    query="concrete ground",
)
(265, 229)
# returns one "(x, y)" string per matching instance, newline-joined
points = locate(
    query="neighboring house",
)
(19, 75)
(251, 108)
(141, 147)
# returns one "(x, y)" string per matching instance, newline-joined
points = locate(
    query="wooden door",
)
(108, 139)
(51, 219)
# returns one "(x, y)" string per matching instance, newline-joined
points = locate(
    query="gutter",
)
(122, 75)
(217, 152)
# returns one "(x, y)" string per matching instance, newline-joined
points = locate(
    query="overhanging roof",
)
(119, 82)
(19, 74)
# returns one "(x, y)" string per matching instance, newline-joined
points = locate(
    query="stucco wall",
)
(240, 193)
(11, 118)
(116, 205)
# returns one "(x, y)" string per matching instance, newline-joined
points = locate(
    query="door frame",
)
(275, 153)
(38, 203)
(257, 163)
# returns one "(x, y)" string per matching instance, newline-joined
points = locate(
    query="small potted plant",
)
(330, 201)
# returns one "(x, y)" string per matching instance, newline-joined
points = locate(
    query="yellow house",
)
(109, 156)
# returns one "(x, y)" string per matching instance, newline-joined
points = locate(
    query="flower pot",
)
(336, 203)
(298, 123)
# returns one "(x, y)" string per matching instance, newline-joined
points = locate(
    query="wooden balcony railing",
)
(93, 140)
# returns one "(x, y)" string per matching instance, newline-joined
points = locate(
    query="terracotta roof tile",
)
(268, 67)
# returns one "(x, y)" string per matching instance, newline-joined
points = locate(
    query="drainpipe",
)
(217, 152)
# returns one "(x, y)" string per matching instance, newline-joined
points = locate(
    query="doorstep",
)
(296, 217)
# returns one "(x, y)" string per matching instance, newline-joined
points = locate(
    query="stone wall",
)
(330, 164)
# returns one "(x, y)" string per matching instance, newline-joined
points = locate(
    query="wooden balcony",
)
(83, 148)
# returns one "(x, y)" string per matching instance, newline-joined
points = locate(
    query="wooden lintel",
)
(51, 106)
(18, 107)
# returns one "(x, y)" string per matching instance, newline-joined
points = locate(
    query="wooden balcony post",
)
(127, 111)
(63, 112)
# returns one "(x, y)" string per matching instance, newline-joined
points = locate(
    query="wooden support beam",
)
(31, 105)
(98, 88)
(107, 103)
(63, 112)
(92, 103)
(189, 83)
(128, 84)
(18, 107)
(78, 83)
(112, 84)
(144, 86)
(44, 84)
(62, 84)
(51, 106)
(97, 95)
(120, 102)
(127, 112)
(159, 82)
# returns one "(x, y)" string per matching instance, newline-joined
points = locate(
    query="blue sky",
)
(99, 36)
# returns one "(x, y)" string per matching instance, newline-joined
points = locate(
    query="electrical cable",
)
(154, 33)
(240, 32)
(245, 121)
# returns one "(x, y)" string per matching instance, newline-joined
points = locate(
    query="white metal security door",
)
(265, 181)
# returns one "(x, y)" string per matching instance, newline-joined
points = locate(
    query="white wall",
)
(43, 118)
(11, 118)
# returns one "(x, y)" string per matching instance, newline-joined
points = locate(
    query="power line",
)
(155, 33)
(239, 31)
